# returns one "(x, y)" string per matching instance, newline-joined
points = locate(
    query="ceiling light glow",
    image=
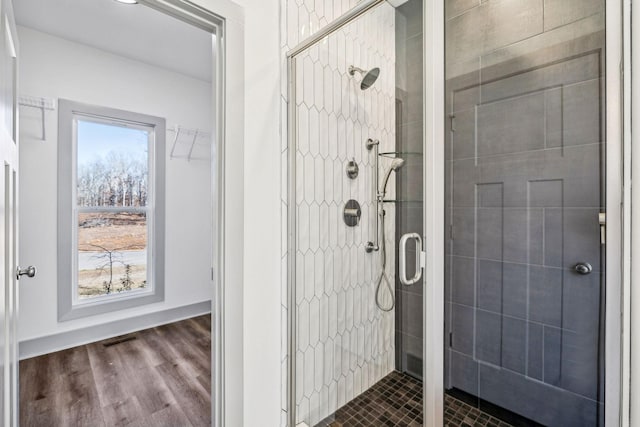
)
(127, 1)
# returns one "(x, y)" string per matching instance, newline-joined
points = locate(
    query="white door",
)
(8, 215)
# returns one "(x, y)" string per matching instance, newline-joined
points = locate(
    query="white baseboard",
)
(61, 341)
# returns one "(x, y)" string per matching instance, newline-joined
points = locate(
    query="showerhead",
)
(368, 77)
(396, 164)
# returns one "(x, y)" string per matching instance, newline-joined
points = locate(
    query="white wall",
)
(51, 67)
(262, 339)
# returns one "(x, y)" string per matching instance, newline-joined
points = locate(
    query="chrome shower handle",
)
(403, 259)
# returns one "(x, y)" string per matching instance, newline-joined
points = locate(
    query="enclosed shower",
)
(523, 205)
(356, 187)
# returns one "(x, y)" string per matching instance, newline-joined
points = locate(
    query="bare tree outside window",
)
(112, 196)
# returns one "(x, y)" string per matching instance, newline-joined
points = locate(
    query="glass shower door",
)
(356, 188)
(525, 198)
(344, 117)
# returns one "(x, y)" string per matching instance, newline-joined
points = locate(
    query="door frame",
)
(225, 20)
(226, 122)
(617, 240)
(10, 393)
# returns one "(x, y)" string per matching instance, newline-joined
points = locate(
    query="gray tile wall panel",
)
(538, 401)
(523, 155)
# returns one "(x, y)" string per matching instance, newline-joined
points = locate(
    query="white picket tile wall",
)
(344, 342)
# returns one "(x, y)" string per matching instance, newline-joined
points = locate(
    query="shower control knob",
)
(352, 213)
(352, 169)
(583, 268)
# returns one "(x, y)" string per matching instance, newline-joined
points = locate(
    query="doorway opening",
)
(142, 84)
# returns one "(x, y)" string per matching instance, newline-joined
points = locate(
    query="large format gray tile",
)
(514, 344)
(534, 351)
(580, 362)
(488, 337)
(490, 195)
(490, 276)
(536, 244)
(412, 12)
(581, 113)
(546, 193)
(535, 79)
(463, 372)
(489, 232)
(545, 295)
(515, 235)
(462, 328)
(577, 167)
(414, 107)
(552, 355)
(514, 290)
(462, 280)
(463, 222)
(512, 125)
(535, 400)
(562, 12)
(466, 176)
(554, 237)
(586, 36)
(465, 98)
(491, 25)
(410, 184)
(554, 132)
(411, 316)
(581, 301)
(463, 139)
(454, 8)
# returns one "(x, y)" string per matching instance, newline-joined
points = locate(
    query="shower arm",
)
(352, 71)
(375, 145)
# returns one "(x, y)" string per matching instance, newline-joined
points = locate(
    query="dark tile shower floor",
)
(396, 400)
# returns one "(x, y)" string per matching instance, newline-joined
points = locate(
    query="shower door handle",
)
(403, 259)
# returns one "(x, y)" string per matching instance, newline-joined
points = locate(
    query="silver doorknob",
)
(583, 268)
(29, 272)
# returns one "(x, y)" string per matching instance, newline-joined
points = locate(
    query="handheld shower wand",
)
(396, 164)
(380, 240)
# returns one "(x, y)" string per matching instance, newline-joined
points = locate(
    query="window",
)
(110, 209)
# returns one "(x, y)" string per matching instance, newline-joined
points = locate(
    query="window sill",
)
(77, 311)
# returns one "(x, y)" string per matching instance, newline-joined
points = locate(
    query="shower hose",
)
(383, 276)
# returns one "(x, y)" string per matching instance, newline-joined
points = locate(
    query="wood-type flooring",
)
(156, 377)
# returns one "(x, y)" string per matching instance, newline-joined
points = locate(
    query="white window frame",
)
(70, 306)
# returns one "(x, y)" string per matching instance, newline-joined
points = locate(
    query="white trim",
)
(631, 321)
(63, 340)
(226, 21)
(148, 209)
(69, 306)
(227, 320)
(617, 174)
(434, 174)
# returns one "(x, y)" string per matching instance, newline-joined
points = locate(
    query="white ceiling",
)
(134, 31)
